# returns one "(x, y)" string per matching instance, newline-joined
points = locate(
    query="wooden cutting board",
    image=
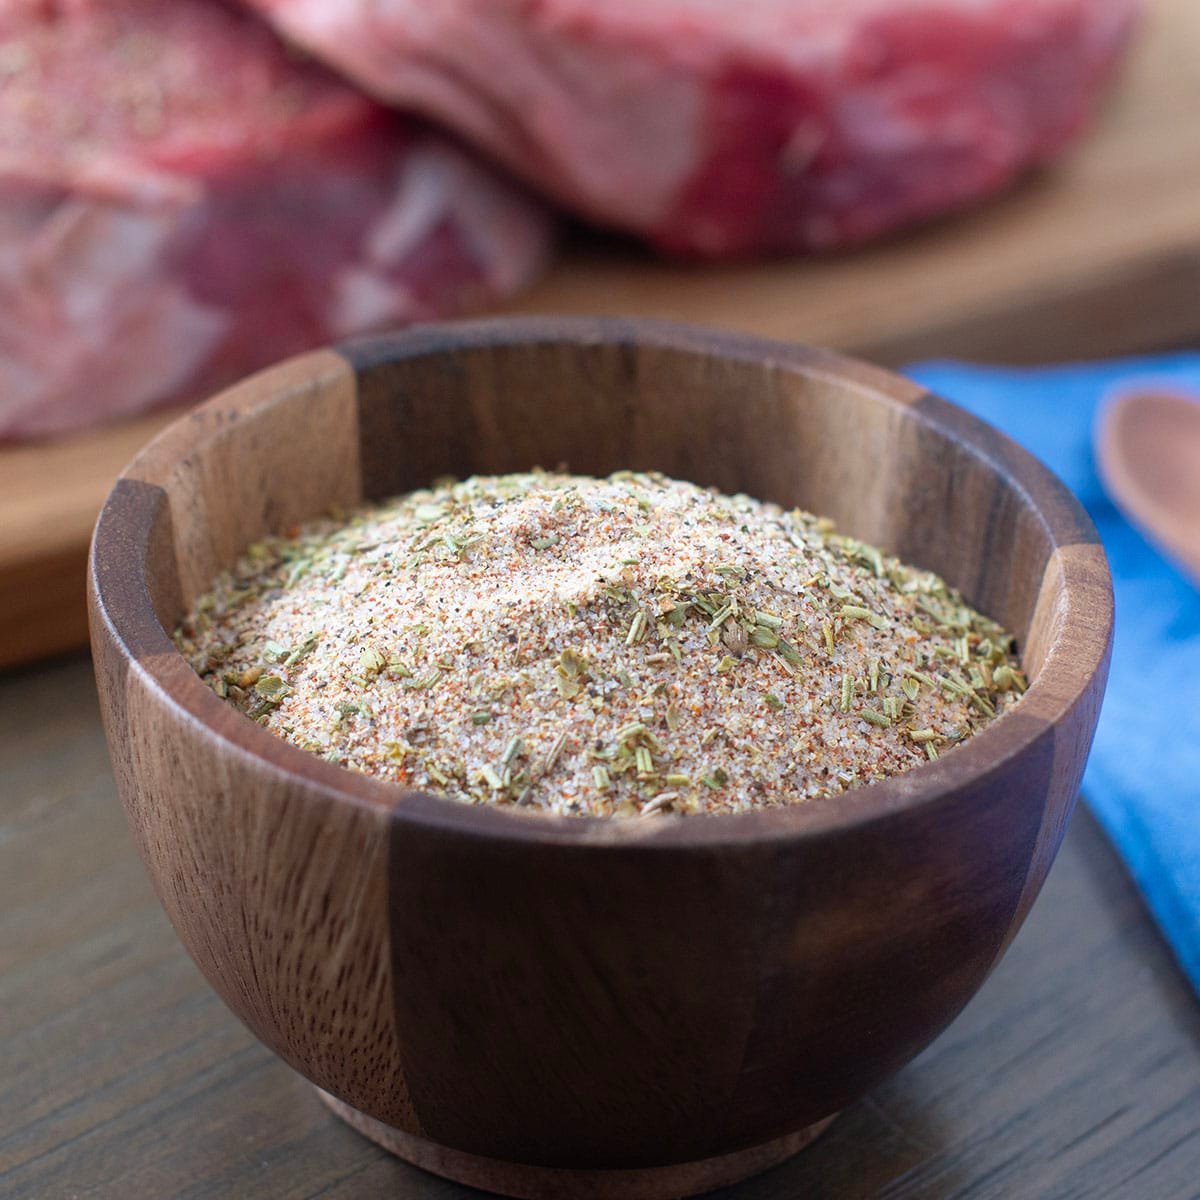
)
(1098, 256)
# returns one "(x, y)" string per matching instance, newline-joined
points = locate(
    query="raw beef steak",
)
(720, 128)
(183, 201)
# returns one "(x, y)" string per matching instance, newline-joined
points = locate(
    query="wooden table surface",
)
(1075, 1073)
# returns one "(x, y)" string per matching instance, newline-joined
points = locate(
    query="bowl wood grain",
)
(523, 1000)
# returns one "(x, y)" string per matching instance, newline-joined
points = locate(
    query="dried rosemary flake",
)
(726, 664)
(302, 651)
(657, 804)
(296, 572)
(601, 778)
(765, 638)
(1004, 678)
(773, 702)
(482, 717)
(827, 631)
(270, 685)
(920, 677)
(630, 732)
(722, 615)
(677, 615)
(874, 718)
(371, 661)
(544, 543)
(568, 686)
(637, 629)
(425, 682)
(855, 612)
(556, 748)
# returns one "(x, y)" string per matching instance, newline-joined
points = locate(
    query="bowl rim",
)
(1075, 659)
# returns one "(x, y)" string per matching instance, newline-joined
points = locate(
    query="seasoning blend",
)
(607, 647)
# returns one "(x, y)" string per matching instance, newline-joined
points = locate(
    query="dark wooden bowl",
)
(573, 1007)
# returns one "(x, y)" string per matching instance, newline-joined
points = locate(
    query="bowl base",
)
(555, 1183)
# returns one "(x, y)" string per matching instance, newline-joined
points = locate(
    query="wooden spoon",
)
(1148, 450)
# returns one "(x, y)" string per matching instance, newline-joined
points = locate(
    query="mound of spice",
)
(611, 647)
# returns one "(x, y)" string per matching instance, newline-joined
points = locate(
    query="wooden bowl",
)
(550, 1006)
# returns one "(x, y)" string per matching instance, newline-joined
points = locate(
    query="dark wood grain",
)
(1073, 1075)
(583, 995)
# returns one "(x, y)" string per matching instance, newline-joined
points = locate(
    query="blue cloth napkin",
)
(1143, 778)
